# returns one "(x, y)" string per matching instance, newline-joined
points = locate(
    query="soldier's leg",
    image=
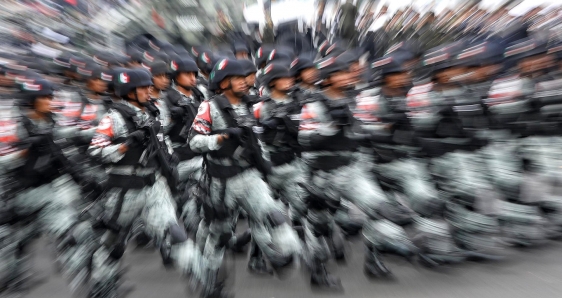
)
(190, 169)
(270, 230)
(286, 178)
(163, 226)
(354, 185)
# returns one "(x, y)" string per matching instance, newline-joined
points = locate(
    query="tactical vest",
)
(284, 137)
(134, 154)
(43, 163)
(179, 131)
(231, 146)
(337, 142)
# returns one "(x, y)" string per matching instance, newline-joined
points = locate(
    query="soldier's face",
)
(43, 104)
(341, 80)
(161, 81)
(241, 55)
(97, 85)
(309, 75)
(237, 85)
(143, 94)
(398, 80)
(251, 80)
(284, 84)
(187, 79)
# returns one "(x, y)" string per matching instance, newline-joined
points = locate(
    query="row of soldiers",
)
(450, 154)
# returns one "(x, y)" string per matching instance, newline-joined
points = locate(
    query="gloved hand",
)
(135, 138)
(234, 132)
(272, 123)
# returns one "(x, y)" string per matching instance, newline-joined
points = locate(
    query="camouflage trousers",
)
(285, 179)
(249, 192)
(351, 183)
(154, 205)
(43, 209)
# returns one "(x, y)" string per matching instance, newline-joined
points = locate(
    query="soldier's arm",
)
(200, 138)
(315, 126)
(103, 144)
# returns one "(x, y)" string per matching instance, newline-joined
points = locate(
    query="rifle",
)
(168, 164)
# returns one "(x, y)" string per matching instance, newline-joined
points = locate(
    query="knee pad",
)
(276, 219)
(177, 234)
(173, 235)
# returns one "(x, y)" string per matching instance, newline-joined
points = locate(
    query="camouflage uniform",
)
(153, 202)
(235, 183)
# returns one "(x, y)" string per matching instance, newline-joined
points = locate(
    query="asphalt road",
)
(532, 272)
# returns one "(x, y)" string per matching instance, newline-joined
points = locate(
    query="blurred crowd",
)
(132, 123)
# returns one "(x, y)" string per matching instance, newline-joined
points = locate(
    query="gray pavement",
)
(532, 272)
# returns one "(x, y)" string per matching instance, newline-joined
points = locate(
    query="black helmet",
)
(444, 56)
(482, 53)
(93, 71)
(329, 65)
(301, 63)
(393, 63)
(274, 71)
(29, 91)
(206, 60)
(224, 68)
(183, 65)
(248, 66)
(262, 54)
(127, 80)
(525, 48)
(240, 47)
(280, 56)
(157, 68)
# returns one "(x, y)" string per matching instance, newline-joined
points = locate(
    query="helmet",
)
(481, 53)
(329, 65)
(93, 71)
(444, 56)
(301, 63)
(127, 80)
(325, 49)
(157, 68)
(524, 48)
(262, 54)
(280, 56)
(392, 63)
(240, 47)
(183, 65)
(206, 60)
(197, 50)
(104, 59)
(274, 71)
(248, 66)
(36, 88)
(224, 68)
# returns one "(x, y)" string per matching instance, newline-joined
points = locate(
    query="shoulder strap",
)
(226, 110)
(128, 114)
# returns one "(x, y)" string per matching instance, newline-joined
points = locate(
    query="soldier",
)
(306, 74)
(137, 185)
(235, 166)
(183, 99)
(329, 146)
(278, 115)
(39, 201)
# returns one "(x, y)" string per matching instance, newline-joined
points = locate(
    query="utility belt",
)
(221, 171)
(281, 158)
(130, 181)
(328, 163)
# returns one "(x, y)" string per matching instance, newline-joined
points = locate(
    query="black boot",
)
(257, 264)
(374, 266)
(241, 242)
(321, 278)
